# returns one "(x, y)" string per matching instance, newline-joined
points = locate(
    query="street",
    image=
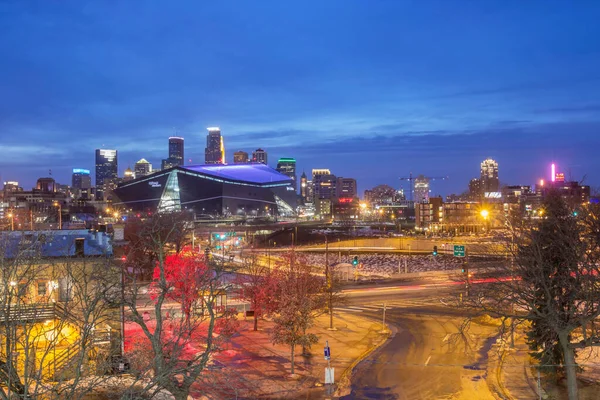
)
(426, 357)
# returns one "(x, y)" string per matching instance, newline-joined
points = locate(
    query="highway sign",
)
(459, 250)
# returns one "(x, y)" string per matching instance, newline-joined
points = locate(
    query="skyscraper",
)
(214, 153)
(287, 166)
(346, 188)
(176, 155)
(106, 170)
(489, 176)
(421, 189)
(142, 168)
(259, 156)
(81, 179)
(240, 157)
(304, 188)
(324, 188)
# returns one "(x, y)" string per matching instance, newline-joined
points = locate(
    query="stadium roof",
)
(253, 173)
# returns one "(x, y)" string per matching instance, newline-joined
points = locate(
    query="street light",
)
(485, 213)
(57, 204)
(12, 221)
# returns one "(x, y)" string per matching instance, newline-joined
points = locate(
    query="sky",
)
(373, 90)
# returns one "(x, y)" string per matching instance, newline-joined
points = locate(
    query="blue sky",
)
(370, 89)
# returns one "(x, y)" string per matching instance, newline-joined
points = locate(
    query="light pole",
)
(485, 213)
(57, 204)
(12, 221)
(328, 283)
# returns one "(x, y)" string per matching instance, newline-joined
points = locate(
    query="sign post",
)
(329, 372)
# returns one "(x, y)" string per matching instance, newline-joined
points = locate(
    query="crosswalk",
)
(378, 307)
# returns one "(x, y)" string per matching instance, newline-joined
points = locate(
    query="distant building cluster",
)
(247, 187)
(250, 188)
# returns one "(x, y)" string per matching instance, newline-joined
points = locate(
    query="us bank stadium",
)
(216, 189)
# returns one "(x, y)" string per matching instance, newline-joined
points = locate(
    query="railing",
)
(24, 313)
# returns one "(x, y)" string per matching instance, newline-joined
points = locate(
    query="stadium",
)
(223, 190)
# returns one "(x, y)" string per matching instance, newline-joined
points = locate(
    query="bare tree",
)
(554, 283)
(257, 285)
(300, 299)
(168, 334)
(55, 318)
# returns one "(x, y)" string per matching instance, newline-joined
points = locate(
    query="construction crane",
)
(412, 179)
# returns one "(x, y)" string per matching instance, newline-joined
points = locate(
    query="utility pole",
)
(329, 284)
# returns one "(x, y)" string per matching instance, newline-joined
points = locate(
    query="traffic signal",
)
(355, 261)
(575, 213)
(463, 270)
(435, 250)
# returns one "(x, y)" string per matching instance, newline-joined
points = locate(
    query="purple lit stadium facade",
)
(226, 190)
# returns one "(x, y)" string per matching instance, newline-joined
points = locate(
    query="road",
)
(426, 357)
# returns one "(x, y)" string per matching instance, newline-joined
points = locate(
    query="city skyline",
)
(415, 92)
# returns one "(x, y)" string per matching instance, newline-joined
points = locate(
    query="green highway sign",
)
(459, 250)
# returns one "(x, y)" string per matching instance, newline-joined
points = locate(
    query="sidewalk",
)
(252, 367)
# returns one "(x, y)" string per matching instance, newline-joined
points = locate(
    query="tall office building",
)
(106, 170)
(259, 156)
(142, 168)
(240, 157)
(287, 166)
(421, 189)
(214, 153)
(304, 188)
(176, 149)
(176, 155)
(324, 188)
(489, 176)
(81, 179)
(346, 188)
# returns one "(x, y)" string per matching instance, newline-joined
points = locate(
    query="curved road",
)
(427, 357)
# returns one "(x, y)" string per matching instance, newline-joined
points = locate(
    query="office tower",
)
(128, 175)
(142, 168)
(287, 166)
(176, 150)
(81, 179)
(489, 176)
(304, 188)
(106, 169)
(214, 153)
(176, 154)
(475, 191)
(240, 157)
(421, 189)
(346, 188)
(324, 191)
(259, 156)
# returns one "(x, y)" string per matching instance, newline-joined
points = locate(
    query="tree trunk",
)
(255, 321)
(293, 350)
(570, 365)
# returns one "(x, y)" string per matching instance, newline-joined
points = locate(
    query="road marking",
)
(446, 338)
(347, 309)
(427, 362)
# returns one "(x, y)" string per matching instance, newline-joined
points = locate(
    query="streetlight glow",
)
(484, 213)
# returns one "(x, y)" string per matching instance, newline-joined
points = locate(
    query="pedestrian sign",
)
(459, 250)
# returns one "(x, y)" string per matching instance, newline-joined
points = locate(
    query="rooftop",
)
(253, 173)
